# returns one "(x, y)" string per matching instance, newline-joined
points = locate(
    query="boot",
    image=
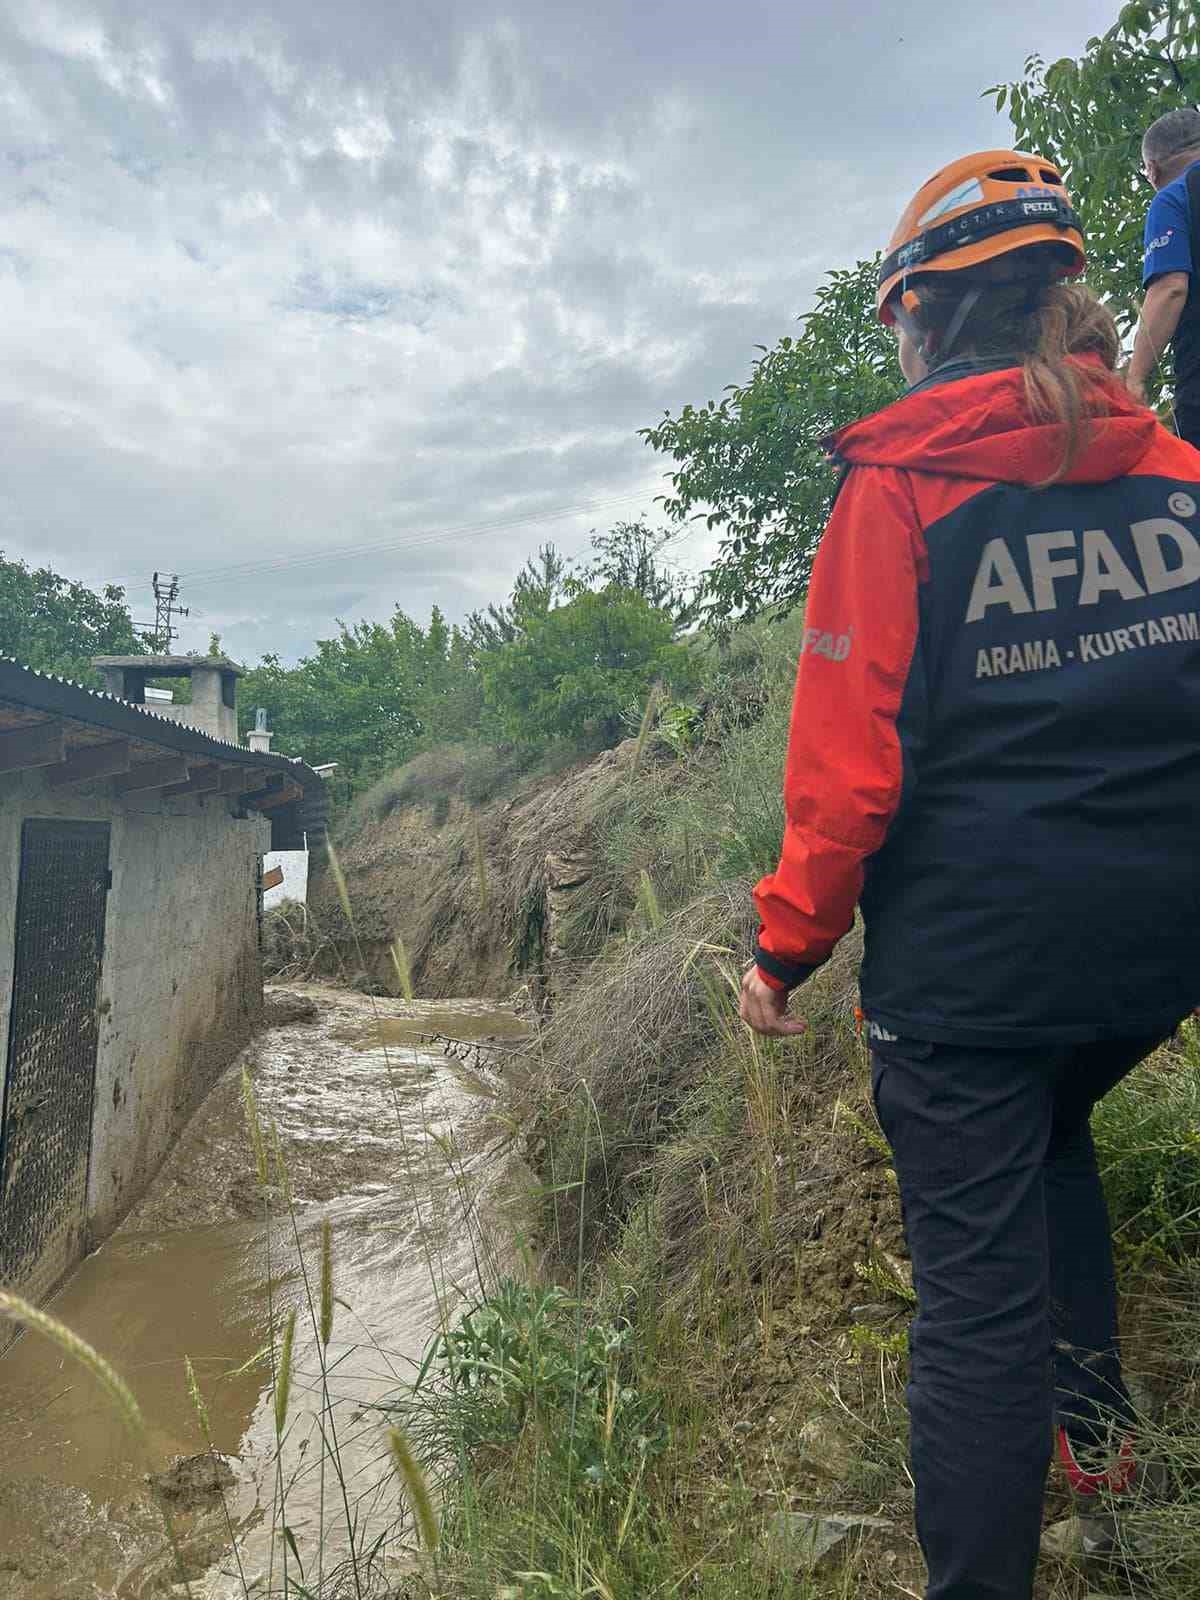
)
(1093, 1493)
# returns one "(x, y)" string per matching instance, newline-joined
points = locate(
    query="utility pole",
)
(166, 594)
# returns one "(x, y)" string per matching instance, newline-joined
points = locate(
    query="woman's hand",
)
(765, 1009)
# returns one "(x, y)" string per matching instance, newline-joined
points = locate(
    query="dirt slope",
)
(487, 899)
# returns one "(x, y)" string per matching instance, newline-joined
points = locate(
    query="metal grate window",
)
(45, 1129)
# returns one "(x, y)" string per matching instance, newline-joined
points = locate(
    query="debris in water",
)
(281, 1009)
(193, 1478)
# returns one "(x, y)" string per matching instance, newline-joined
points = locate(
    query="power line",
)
(260, 568)
(388, 546)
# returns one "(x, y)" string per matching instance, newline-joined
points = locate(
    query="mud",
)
(436, 1022)
(388, 1141)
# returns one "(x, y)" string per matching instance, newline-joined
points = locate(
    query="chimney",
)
(213, 708)
(259, 737)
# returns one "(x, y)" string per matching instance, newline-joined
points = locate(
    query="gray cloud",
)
(283, 282)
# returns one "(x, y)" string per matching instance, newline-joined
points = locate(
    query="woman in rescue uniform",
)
(995, 752)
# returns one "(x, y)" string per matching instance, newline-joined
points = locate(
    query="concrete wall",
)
(206, 710)
(180, 986)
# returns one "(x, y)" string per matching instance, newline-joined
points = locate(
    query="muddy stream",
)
(385, 1135)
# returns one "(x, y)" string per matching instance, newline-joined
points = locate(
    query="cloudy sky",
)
(333, 306)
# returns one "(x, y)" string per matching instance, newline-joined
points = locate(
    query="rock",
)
(799, 1541)
(900, 1270)
(1146, 1400)
(1063, 1541)
(1084, 1540)
(281, 1009)
(823, 1449)
(873, 1313)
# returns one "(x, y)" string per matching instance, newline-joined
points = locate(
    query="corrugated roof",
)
(60, 697)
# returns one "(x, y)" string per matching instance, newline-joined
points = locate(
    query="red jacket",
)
(995, 741)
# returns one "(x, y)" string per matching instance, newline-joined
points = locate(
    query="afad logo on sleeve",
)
(1160, 243)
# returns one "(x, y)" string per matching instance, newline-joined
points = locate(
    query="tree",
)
(573, 669)
(756, 465)
(353, 701)
(628, 556)
(1089, 116)
(538, 584)
(449, 691)
(56, 625)
(563, 657)
(371, 697)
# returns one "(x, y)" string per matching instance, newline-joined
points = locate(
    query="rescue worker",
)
(995, 750)
(1171, 265)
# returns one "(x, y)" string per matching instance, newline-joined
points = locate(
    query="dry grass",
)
(689, 1121)
(471, 774)
(471, 898)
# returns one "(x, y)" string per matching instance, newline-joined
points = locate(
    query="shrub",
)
(569, 1460)
(521, 1356)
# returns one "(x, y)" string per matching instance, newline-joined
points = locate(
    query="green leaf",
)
(293, 1547)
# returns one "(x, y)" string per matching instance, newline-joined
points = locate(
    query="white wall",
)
(295, 877)
(180, 986)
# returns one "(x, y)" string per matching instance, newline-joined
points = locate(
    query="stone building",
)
(131, 846)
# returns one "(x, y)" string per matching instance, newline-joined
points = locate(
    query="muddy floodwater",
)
(384, 1134)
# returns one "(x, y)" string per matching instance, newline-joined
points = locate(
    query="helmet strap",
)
(904, 309)
(954, 327)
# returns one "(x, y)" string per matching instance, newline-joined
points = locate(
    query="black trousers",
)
(1187, 421)
(1012, 1264)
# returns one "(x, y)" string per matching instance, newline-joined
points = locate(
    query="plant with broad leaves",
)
(523, 1358)
(1089, 115)
(57, 625)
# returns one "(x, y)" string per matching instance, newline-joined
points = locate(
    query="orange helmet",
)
(976, 209)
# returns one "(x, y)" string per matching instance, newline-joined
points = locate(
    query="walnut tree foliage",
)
(1089, 114)
(57, 625)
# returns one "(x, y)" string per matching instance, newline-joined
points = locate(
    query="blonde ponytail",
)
(1071, 323)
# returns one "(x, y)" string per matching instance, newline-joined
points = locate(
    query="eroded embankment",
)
(486, 898)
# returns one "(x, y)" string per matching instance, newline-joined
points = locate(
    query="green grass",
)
(472, 774)
(576, 1462)
(717, 813)
(1147, 1134)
